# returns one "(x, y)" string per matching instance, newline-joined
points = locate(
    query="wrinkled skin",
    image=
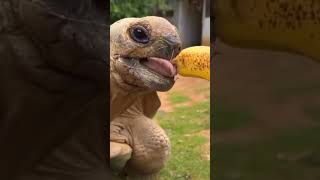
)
(53, 90)
(134, 100)
(164, 43)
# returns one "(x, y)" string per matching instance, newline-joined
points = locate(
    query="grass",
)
(183, 126)
(177, 97)
(294, 155)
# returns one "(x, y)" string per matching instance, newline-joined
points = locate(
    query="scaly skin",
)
(140, 146)
(285, 25)
(150, 145)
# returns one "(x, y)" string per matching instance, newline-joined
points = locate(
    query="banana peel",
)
(291, 26)
(194, 62)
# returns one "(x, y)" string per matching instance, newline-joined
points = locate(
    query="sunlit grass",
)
(177, 97)
(183, 126)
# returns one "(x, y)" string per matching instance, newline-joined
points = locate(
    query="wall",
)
(189, 22)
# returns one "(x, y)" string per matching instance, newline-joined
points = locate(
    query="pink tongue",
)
(161, 66)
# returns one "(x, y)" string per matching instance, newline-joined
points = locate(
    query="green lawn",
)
(183, 126)
(178, 97)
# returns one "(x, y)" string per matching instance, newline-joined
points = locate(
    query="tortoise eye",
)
(139, 34)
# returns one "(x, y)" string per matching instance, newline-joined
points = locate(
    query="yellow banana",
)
(194, 62)
(284, 25)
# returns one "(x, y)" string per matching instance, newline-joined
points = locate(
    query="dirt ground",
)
(196, 89)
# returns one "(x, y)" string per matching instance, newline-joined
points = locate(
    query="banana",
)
(284, 25)
(194, 62)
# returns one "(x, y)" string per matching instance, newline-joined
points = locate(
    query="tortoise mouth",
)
(164, 68)
(160, 66)
(151, 73)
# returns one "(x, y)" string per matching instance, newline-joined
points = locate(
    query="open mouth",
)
(160, 66)
(155, 73)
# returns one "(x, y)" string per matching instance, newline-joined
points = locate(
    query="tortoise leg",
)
(150, 145)
(120, 153)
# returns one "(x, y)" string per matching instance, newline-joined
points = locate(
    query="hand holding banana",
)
(194, 62)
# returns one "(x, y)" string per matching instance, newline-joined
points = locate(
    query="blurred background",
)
(266, 115)
(266, 111)
(185, 109)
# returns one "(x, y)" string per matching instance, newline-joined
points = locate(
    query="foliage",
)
(136, 8)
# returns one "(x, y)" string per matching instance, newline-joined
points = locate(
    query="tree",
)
(136, 8)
